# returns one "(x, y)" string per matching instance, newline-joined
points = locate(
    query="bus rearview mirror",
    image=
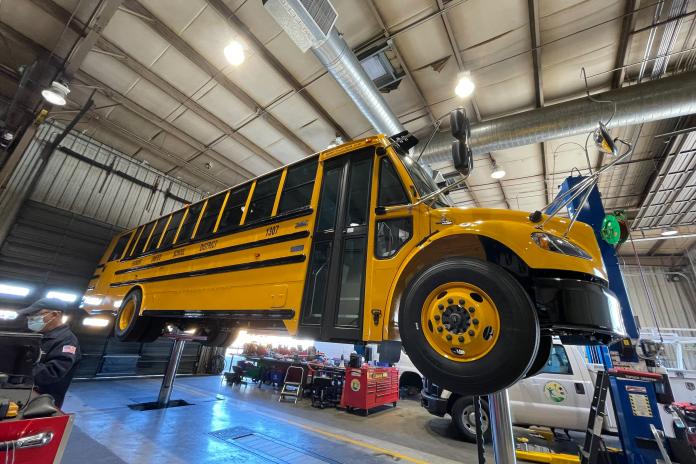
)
(459, 124)
(462, 158)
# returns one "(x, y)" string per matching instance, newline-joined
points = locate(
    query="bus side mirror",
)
(603, 140)
(462, 158)
(459, 124)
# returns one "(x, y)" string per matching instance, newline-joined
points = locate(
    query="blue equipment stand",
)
(634, 401)
(636, 409)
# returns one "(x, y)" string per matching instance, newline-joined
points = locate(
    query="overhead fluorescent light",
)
(465, 86)
(234, 52)
(56, 94)
(669, 232)
(498, 172)
(8, 314)
(14, 290)
(67, 297)
(95, 322)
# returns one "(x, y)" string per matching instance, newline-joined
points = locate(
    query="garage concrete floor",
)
(246, 424)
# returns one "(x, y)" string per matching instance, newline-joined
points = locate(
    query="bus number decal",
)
(271, 231)
(208, 245)
(137, 262)
(156, 258)
(178, 253)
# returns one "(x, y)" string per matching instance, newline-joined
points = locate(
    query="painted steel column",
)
(501, 427)
(172, 366)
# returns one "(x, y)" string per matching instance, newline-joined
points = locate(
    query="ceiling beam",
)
(535, 36)
(653, 249)
(460, 65)
(199, 60)
(141, 70)
(96, 27)
(113, 126)
(164, 125)
(255, 44)
(627, 25)
(656, 261)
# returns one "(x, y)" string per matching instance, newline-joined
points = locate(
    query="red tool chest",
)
(368, 387)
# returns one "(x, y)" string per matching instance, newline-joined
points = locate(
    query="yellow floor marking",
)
(350, 440)
(549, 458)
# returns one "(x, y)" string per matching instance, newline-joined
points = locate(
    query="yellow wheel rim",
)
(126, 315)
(460, 322)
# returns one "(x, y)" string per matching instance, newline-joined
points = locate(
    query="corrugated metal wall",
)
(673, 297)
(91, 179)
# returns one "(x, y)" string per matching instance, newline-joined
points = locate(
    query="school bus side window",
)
(120, 246)
(189, 222)
(140, 243)
(234, 209)
(263, 198)
(156, 234)
(299, 182)
(391, 190)
(172, 227)
(210, 215)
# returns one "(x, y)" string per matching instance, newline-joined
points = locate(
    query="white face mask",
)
(35, 323)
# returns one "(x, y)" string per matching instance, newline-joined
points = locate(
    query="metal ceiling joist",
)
(627, 25)
(199, 60)
(132, 106)
(114, 127)
(255, 44)
(535, 36)
(460, 65)
(74, 61)
(104, 45)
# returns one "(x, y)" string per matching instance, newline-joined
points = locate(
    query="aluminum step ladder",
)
(292, 384)
(593, 435)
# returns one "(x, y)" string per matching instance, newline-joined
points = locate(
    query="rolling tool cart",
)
(327, 387)
(367, 387)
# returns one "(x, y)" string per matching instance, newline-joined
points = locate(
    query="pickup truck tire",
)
(543, 354)
(464, 419)
(491, 342)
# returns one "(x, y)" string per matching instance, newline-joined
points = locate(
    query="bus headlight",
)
(559, 245)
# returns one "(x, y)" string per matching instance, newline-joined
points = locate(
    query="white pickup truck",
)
(558, 397)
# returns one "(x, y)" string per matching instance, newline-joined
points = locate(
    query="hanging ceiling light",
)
(669, 231)
(234, 52)
(498, 172)
(465, 86)
(56, 93)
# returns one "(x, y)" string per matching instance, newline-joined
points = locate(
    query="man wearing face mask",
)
(60, 351)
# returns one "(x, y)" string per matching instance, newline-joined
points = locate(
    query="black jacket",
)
(60, 354)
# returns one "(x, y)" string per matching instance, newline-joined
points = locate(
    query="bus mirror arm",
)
(382, 210)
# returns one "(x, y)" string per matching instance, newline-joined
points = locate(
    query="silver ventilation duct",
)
(665, 98)
(305, 22)
(343, 65)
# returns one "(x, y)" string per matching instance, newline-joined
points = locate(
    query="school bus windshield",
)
(424, 182)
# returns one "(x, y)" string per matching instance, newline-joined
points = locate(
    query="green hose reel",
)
(614, 229)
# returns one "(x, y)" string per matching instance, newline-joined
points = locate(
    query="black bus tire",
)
(543, 354)
(455, 286)
(221, 337)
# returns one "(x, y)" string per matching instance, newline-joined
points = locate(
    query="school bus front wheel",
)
(469, 325)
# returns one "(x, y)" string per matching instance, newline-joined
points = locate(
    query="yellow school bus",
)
(357, 244)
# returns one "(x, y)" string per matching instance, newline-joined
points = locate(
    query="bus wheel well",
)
(411, 382)
(461, 246)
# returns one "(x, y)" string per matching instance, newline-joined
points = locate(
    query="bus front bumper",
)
(581, 312)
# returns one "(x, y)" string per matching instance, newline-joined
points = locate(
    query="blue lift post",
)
(634, 401)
